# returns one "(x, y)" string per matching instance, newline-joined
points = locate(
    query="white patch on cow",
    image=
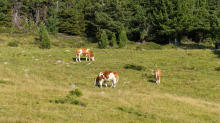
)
(100, 74)
(87, 50)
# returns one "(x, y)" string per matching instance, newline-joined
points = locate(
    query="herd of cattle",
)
(107, 76)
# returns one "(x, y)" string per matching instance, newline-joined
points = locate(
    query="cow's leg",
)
(86, 57)
(79, 57)
(106, 85)
(112, 84)
(157, 81)
(76, 58)
(100, 84)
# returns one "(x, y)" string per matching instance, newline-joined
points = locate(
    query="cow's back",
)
(107, 73)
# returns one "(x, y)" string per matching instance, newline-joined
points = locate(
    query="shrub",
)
(149, 46)
(208, 40)
(170, 46)
(13, 43)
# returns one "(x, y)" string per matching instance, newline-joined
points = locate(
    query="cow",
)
(158, 74)
(84, 52)
(107, 76)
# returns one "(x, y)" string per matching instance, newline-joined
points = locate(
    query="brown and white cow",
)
(84, 52)
(107, 76)
(158, 74)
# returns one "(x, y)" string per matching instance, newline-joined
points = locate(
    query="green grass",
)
(33, 79)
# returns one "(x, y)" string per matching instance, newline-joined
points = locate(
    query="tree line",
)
(135, 20)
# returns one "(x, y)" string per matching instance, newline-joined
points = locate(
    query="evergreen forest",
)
(156, 21)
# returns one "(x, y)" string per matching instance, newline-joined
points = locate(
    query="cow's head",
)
(93, 58)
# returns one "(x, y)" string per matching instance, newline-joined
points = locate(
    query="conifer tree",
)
(52, 23)
(41, 30)
(113, 40)
(122, 38)
(72, 22)
(4, 13)
(45, 41)
(103, 42)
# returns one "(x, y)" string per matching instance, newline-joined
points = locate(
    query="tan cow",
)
(158, 74)
(107, 76)
(84, 52)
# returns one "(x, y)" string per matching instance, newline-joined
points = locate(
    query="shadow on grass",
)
(152, 81)
(82, 59)
(216, 52)
(195, 46)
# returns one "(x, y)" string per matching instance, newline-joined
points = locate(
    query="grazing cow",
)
(158, 74)
(84, 52)
(107, 76)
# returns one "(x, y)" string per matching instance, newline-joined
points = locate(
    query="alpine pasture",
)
(47, 85)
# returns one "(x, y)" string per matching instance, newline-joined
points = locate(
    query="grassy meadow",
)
(41, 85)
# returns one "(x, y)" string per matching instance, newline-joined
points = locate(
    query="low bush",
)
(170, 46)
(149, 46)
(76, 92)
(13, 43)
(71, 98)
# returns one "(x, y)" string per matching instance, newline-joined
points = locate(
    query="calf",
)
(157, 74)
(107, 76)
(84, 52)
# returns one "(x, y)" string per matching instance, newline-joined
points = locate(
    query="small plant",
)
(71, 98)
(76, 92)
(13, 43)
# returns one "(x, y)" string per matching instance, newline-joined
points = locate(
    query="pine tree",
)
(103, 42)
(122, 37)
(45, 41)
(72, 21)
(41, 31)
(52, 23)
(113, 40)
(5, 13)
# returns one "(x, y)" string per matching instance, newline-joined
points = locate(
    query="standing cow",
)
(84, 52)
(107, 76)
(158, 74)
